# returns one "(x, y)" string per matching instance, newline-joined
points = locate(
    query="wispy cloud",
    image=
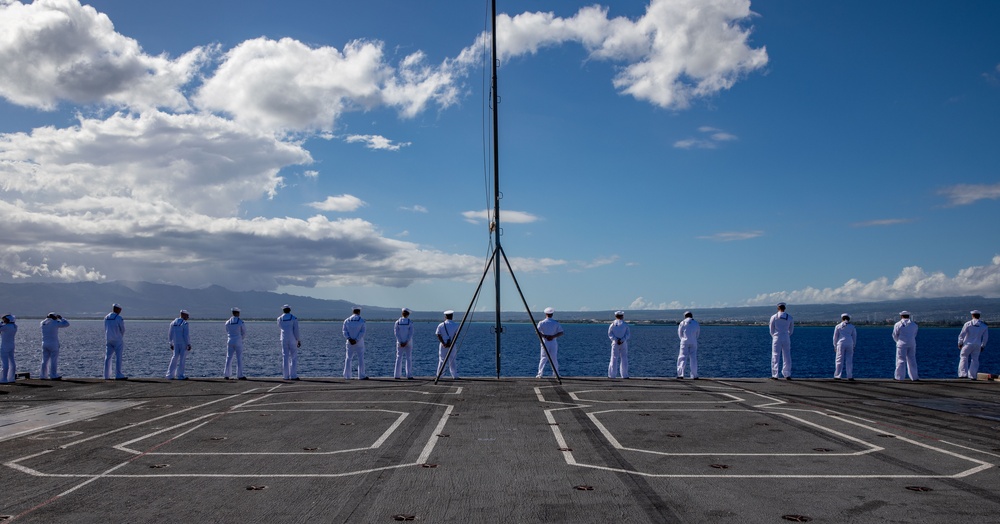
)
(310, 173)
(415, 208)
(510, 217)
(713, 137)
(964, 194)
(598, 262)
(993, 77)
(882, 222)
(730, 236)
(376, 142)
(339, 203)
(912, 282)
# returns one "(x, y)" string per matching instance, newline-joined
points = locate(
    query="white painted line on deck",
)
(869, 448)
(429, 447)
(773, 406)
(732, 398)
(109, 473)
(22, 422)
(178, 412)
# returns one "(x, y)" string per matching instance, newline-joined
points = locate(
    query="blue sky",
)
(664, 154)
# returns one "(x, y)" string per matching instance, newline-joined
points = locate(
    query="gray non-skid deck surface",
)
(514, 450)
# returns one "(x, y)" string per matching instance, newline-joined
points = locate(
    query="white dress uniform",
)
(114, 332)
(236, 329)
(8, 368)
(688, 331)
(905, 335)
(781, 326)
(972, 340)
(50, 346)
(619, 334)
(447, 330)
(354, 329)
(845, 338)
(403, 330)
(549, 327)
(180, 341)
(289, 326)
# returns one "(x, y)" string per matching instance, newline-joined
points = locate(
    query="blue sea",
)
(724, 351)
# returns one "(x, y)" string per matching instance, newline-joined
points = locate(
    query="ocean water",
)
(724, 351)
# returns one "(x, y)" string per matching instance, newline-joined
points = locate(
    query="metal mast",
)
(497, 328)
(498, 251)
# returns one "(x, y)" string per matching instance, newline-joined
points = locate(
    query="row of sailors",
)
(179, 339)
(971, 342)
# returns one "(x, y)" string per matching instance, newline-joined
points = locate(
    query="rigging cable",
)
(487, 135)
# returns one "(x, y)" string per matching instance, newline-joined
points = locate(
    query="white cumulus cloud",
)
(286, 85)
(193, 162)
(678, 51)
(642, 303)
(912, 282)
(56, 50)
(339, 203)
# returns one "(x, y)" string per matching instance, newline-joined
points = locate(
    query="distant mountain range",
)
(148, 300)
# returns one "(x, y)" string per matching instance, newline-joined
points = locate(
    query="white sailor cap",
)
(449, 312)
(549, 311)
(975, 312)
(845, 315)
(406, 310)
(781, 304)
(185, 312)
(356, 308)
(904, 313)
(52, 314)
(115, 306)
(236, 310)
(286, 306)
(688, 314)
(619, 313)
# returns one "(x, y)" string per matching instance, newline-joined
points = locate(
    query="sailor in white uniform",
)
(550, 330)
(688, 331)
(354, 333)
(179, 336)
(445, 333)
(8, 368)
(781, 326)
(972, 341)
(50, 345)
(905, 335)
(845, 338)
(236, 330)
(114, 332)
(619, 334)
(403, 330)
(290, 343)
